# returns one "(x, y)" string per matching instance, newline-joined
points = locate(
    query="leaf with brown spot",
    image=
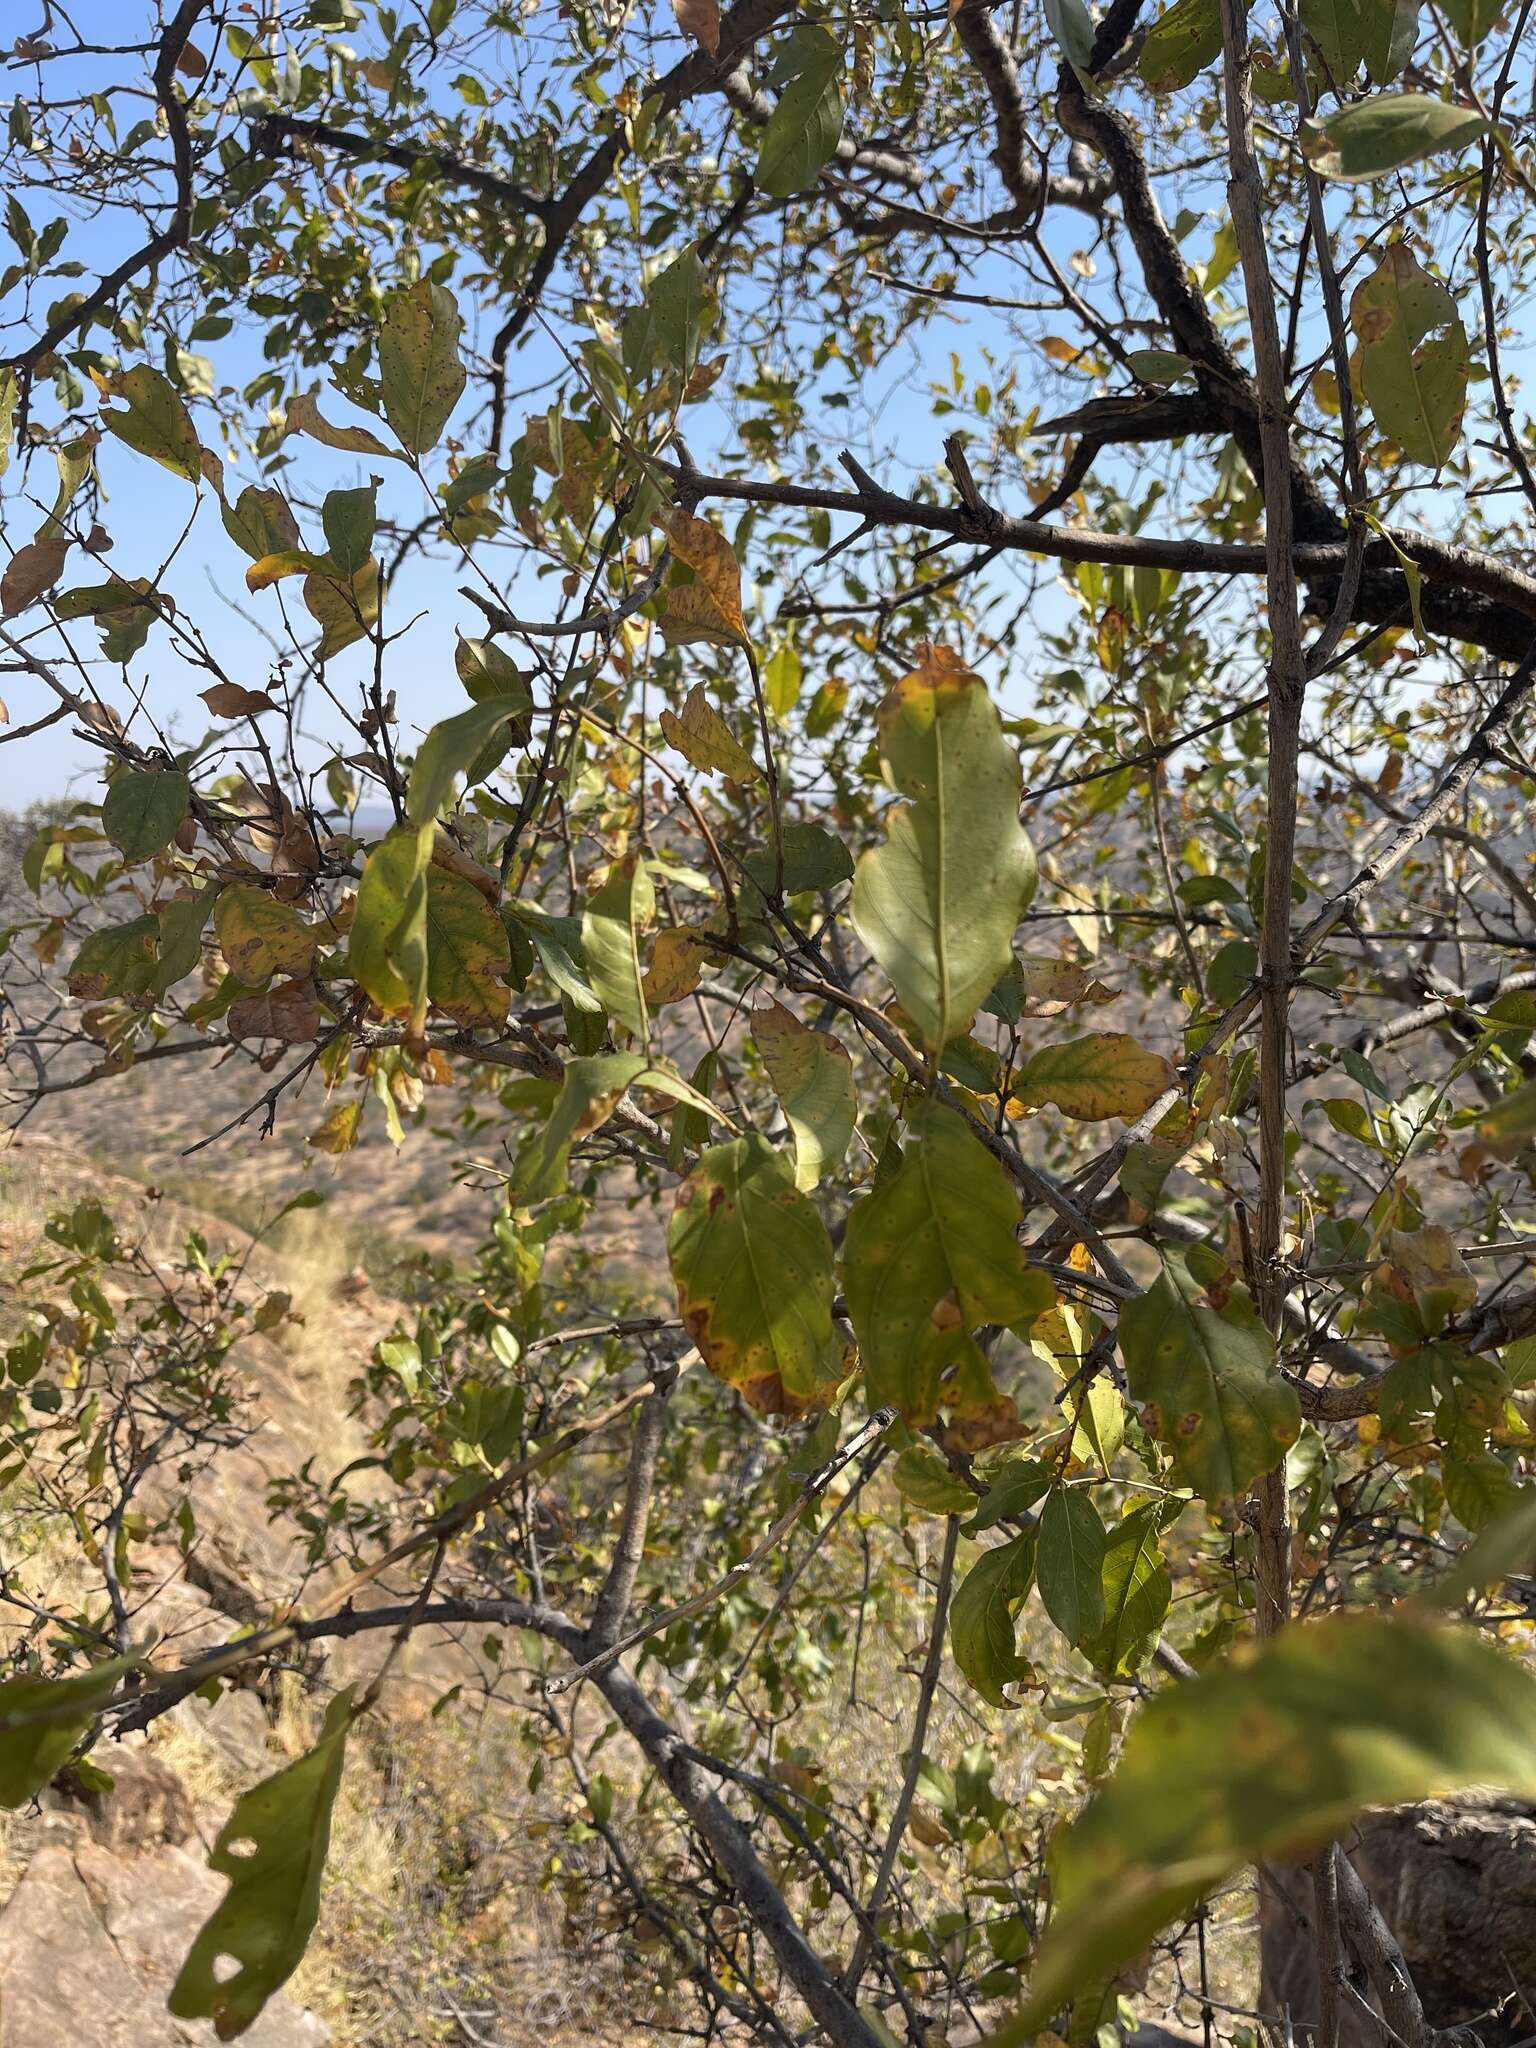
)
(713, 610)
(812, 1076)
(1209, 1388)
(288, 1012)
(678, 959)
(753, 1267)
(468, 952)
(1103, 1075)
(260, 937)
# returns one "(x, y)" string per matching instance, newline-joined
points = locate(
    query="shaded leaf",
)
(142, 811)
(118, 960)
(344, 611)
(304, 417)
(1069, 1562)
(923, 1478)
(753, 1267)
(701, 20)
(1137, 1593)
(1208, 1388)
(31, 571)
(231, 700)
(41, 1720)
(982, 1628)
(590, 1091)
(803, 129)
(678, 959)
(1268, 1756)
(929, 1255)
(288, 1012)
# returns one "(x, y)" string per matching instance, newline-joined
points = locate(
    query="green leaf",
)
(676, 302)
(590, 1091)
(923, 1478)
(1503, 1546)
(931, 1253)
(1414, 358)
(1072, 25)
(1208, 1390)
(1137, 1593)
(753, 1267)
(41, 1720)
(387, 946)
(1179, 45)
(260, 523)
(349, 519)
(448, 750)
(812, 1076)
(1268, 1756)
(1339, 29)
(155, 422)
(813, 859)
(1069, 1563)
(610, 938)
(803, 129)
(118, 960)
(1473, 20)
(182, 922)
(1391, 31)
(1012, 1491)
(1103, 1075)
(1479, 1487)
(1386, 132)
(938, 903)
(982, 1629)
(557, 942)
(420, 374)
(272, 1849)
(142, 811)
(468, 954)
(260, 937)
(1159, 366)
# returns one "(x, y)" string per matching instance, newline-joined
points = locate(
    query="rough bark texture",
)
(1457, 1886)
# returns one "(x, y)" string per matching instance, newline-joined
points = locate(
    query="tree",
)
(766, 864)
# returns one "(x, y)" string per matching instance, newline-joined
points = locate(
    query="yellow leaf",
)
(702, 736)
(1105, 1074)
(678, 959)
(707, 552)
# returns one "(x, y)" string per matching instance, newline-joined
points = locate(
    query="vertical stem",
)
(1268, 1509)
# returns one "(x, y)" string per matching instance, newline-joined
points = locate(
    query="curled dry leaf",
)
(233, 700)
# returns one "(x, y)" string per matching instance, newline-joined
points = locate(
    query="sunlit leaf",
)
(272, 1849)
(1105, 1074)
(611, 925)
(260, 937)
(702, 736)
(1414, 356)
(387, 946)
(420, 373)
(813, 1079)
(153, 420)
(467, 953)
(938, 903)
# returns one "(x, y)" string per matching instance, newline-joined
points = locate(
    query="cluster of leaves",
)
(747, 916)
